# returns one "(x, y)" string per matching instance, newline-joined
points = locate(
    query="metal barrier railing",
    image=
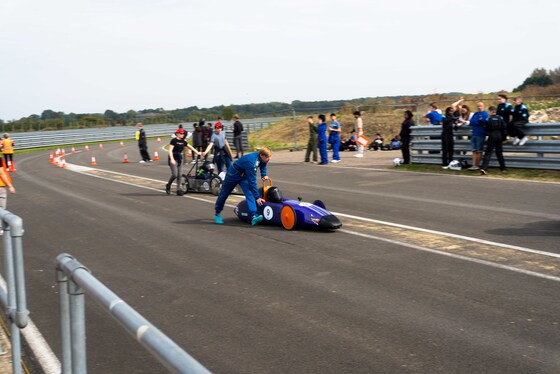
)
(53, 138)
(14, 299)
(541, 152)
(75, 280)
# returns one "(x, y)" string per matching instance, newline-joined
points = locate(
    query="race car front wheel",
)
(184, 184)
(288, 217)
(215, 185)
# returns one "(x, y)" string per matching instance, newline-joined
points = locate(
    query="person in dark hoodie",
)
(197, 141)
(405, 136)
(447, 142)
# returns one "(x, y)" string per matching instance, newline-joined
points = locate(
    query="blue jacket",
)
(477, 122)
(249, 164)
(322, 132)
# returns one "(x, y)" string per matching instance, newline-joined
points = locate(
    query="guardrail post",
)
(77, 328)
(64, 316)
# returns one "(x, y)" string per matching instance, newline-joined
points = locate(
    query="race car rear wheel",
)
(184, 185)
(288, 217)
(215, 185)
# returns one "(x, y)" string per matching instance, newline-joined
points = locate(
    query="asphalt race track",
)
(377, 296)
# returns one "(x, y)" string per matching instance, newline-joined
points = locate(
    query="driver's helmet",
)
(208, 167)
(274, 195)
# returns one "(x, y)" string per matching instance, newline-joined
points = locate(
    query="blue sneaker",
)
(256, 220)
(218, 219)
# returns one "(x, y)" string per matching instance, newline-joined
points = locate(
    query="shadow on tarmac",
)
(541, 228)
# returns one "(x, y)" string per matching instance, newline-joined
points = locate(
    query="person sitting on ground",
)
(377, 143)
(396, 143)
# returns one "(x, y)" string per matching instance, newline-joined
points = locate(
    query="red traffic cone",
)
(156, 156)
(57, 152)
(158, 139)
(101, 147)
(122, 144)
(63, 163)
(51, 158)
(73, 150)
(93, 162)
(87, 148)
(125, 159)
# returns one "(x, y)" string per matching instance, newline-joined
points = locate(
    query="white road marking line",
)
(450, 235)
(453, 255)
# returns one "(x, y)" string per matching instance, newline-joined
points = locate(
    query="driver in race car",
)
(244, 172)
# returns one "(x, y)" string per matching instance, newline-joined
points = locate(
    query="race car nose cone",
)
(330, 223)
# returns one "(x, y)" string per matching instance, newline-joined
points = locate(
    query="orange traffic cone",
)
(51, 158)
(158, 139)
(93, 162)
(11, 166)
(63, 152)
(63, 163)
(156, 157)
(122, 144)
(57, 152)
(87, 148)
(73, 150)
(125, 159)
(101, 147)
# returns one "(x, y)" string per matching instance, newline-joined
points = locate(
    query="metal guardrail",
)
(14, 300)
(538, 153)
(29, 140)
(75, 280)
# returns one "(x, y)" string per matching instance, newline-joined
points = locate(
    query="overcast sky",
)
(86, 56)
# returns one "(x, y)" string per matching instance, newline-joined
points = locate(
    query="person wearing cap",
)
(222, 150)
(142, 143)
(238, 136)
(243, 172)
(177, 146)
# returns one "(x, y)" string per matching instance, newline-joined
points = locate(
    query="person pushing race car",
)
(244, 172)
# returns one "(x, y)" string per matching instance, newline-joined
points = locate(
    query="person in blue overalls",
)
(322, 139)
(244, 172)
(334, 138)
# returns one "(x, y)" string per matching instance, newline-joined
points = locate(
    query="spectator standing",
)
(238, 136)
(447, 141)
(520, 117)
(7, 145)
(359, 130)
(477, 123)
(322, 139)
(177, 146)
(5, 187)
(495, 129)
(244, 172)
(405, 135)
(197, 140)
(334, 138)
(312, 142)
(505, 110)
(142, 143)
(222, 151)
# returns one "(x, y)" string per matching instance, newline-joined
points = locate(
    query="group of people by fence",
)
(494, 128)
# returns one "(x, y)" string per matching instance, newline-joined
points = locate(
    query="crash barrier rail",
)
(75, 280)
(13, 298)
(53, 138)
(540, 152)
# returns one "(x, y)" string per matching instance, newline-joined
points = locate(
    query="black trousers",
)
(447, 145)
(144, 152)
(405, 149)
(514, 130)
(494, 143)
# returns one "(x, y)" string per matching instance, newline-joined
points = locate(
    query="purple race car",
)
(290, 214)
